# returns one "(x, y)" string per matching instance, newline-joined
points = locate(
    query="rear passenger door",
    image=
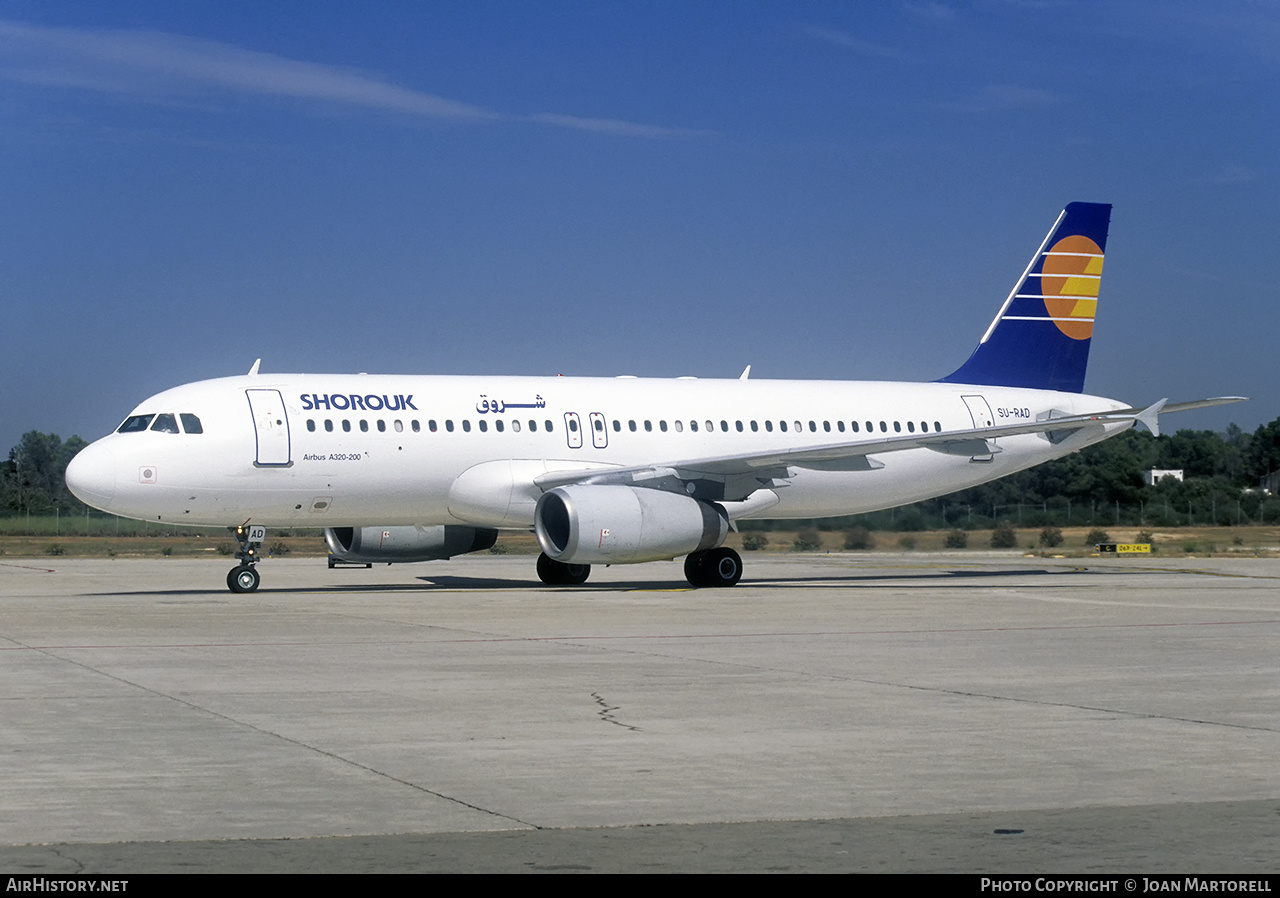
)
(599, 433)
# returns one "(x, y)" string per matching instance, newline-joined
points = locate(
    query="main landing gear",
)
(557, 573)
(245, 578)
(714, 567)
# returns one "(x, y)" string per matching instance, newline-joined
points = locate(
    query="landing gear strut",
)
(557, 573)
(714, 567)
(245, 578)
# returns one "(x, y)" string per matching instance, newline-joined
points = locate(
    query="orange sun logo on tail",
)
(1069, 282)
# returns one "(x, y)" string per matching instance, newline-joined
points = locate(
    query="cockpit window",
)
(165, 423)
(190, 423)
(135, 423)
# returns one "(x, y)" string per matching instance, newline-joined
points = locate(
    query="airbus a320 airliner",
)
(613, 470)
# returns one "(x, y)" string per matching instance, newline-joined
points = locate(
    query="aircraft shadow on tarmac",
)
(845, 580)
(449, 582)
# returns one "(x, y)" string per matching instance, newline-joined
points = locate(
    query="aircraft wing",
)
(744, 473)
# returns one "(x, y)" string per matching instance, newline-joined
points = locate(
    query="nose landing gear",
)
(245, 578)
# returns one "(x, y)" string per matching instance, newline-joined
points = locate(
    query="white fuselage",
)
(380, 450)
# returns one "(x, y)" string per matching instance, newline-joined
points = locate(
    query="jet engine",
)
(387, 545)
(604, 524)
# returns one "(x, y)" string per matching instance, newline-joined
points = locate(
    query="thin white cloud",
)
(1233, 174)
(838, 38)
(156, 65)
(614, 126)
(1008, 98)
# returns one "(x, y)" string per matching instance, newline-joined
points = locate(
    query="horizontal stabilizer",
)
(1202, 403)
(1150, 416)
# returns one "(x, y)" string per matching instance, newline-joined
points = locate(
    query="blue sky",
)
(819, 190)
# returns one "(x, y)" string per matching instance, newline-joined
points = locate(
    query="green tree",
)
(1264, 452)
(35, 474)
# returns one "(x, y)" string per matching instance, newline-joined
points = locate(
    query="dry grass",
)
(215, 544)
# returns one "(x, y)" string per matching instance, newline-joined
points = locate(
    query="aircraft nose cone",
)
(91, 476)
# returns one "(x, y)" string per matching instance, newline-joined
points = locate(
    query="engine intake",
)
(624, 524)
(388, 545)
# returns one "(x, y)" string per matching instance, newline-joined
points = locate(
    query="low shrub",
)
(1004, 538)
(808, 540)
(1050, 536)
(859, 538)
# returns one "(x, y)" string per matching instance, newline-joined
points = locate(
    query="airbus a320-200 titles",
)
(613, 470)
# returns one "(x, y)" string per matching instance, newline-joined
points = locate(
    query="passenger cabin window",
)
(135, 424)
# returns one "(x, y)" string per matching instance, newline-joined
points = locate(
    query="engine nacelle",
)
(587, 524)
(387, 545)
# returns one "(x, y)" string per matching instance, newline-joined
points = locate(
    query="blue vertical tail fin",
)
(1040, 338)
